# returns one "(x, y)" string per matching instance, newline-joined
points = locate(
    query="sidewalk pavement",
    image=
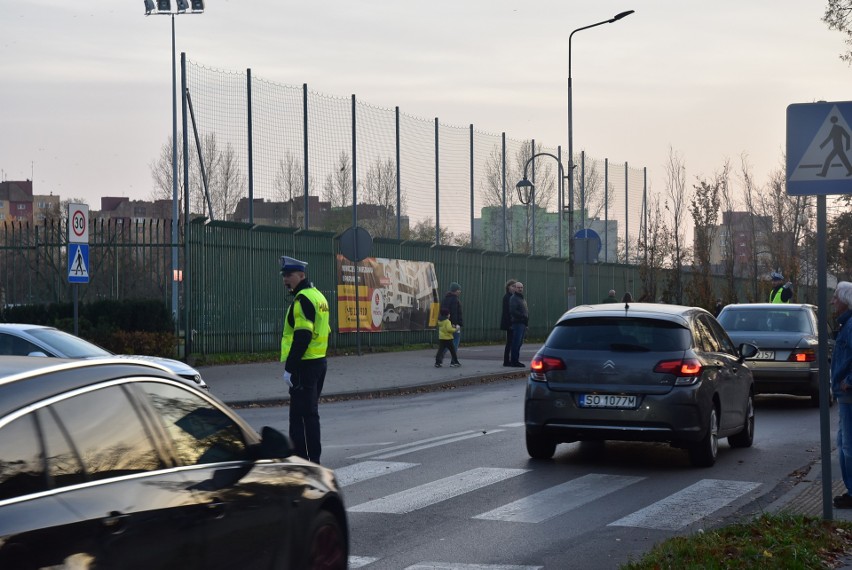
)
(388, 373)
(367, 375)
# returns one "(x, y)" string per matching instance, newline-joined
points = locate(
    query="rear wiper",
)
(628, 347)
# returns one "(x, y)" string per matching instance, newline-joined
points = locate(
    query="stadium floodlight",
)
(164, 8)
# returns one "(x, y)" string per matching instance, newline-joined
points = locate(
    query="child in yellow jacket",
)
(445, 340)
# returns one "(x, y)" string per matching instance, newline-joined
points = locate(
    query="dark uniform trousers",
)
(304, 408)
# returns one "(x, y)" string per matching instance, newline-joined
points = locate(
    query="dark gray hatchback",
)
(640, 372)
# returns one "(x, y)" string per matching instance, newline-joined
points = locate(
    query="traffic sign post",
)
(78, 251)
(819, 163)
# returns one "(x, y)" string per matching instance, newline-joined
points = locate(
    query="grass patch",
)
(782, 540)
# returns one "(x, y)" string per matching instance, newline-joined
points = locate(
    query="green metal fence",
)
(233, 299)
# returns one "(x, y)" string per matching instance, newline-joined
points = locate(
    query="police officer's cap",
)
(776, 276)
(289, 264)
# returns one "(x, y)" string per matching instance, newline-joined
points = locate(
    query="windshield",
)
(619, 333)
(68, 345)
(765, 320)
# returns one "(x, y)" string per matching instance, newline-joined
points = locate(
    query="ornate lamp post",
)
(526, 194)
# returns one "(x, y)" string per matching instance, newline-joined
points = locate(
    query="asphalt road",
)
(442, 480)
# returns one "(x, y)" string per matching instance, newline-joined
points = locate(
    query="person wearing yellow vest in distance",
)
(780, 293)
(303, 348)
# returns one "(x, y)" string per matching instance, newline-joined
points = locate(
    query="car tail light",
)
(541, 365)
(687, 370)
(802, 355)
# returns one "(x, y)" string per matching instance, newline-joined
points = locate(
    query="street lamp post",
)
(164, 8)
(571, 164)
(526, 190)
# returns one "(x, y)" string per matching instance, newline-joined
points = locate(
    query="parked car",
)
(37, 340)
(390, 315)
(116, 463)
(640, 372)
(787, 336)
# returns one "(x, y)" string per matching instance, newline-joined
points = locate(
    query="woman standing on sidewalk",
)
(506, 321)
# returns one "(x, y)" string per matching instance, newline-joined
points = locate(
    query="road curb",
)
(389, 392)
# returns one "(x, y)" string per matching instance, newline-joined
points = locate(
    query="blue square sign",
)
(819, 148)
(78, 263)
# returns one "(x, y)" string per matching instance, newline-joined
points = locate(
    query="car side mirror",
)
(747, 350)
(274, 444)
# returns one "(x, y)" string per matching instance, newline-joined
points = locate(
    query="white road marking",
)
(436, 444)
(688, 505)
(339, 445)
(405, 445)
(453, 566)
(514, 425)
(559, 499)
(368, 470)
(437, 491)
(359, 561)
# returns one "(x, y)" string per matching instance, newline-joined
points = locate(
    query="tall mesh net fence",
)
(449, 184)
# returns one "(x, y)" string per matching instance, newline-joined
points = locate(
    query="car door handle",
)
(116, 522)
(216, 509)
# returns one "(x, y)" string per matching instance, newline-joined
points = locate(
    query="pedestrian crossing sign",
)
(78, 263)
(819, 148)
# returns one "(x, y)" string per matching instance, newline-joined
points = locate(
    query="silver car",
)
(787, 336)
(640, 372)
(37, 340)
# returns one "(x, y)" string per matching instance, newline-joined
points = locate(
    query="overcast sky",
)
(85, 103)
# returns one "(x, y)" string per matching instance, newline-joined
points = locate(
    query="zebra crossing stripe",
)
(358, 472)
(437, 491)
(559, 499)
(688, 505)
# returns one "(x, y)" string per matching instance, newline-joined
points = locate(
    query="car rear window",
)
(765, 320)
(619, 333)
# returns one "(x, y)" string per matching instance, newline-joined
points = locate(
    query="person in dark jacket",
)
(611, 298)
(841, 387)
(506, 321)
(520, 317)
(452, 303)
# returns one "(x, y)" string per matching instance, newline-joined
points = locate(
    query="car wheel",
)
(745, 437)
(327, 548)
(703, 453)
(540, 447)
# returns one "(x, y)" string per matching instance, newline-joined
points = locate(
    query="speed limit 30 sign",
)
(78, 223)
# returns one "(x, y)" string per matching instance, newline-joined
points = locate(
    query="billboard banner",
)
(392, 295)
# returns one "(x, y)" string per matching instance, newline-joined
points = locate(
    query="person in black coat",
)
(452, 303)
(506, 321)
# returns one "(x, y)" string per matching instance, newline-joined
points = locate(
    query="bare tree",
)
(838, 16)
(289, 184)
(704, 208)
(229, 184)
(161, 173)
(652, 251)
(676, 201)
(380, 190)
(337, 189)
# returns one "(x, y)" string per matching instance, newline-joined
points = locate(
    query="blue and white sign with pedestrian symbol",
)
(819, 148)
(78, 263)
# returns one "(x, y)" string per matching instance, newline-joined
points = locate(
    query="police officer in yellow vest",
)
(303, 347)
(780, 293)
